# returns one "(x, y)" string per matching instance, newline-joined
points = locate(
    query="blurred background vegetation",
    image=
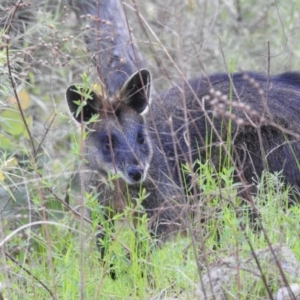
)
(42, 52)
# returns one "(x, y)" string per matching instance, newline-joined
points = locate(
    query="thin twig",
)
(30, 274)
(16, 7)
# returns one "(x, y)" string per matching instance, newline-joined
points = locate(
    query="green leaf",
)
(5, 142)
(11, 122)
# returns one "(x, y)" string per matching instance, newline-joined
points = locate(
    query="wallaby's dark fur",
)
(253, 105)
(120, 142)
(147, 142)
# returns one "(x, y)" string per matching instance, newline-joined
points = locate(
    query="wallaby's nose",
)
(135, 173)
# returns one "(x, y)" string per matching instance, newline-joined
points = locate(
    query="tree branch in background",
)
(116, 56)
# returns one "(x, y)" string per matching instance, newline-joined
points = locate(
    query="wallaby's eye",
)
(106, 146)
(140, 138)
(106, 143)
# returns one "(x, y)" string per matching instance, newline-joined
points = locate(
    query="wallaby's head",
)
(117, 141)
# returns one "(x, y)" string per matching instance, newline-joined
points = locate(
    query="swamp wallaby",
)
(147, 142)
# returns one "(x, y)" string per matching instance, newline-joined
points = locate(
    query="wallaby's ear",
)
(136, 90)
(82, 102)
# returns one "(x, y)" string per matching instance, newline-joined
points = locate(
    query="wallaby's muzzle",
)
(135, 173)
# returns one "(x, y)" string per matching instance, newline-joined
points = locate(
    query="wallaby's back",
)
(259, 116)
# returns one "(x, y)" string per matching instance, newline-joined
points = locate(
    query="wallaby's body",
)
(247, 104)
(147, 148)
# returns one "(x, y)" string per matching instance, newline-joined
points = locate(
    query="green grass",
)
(62, 255)
(70, 270)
